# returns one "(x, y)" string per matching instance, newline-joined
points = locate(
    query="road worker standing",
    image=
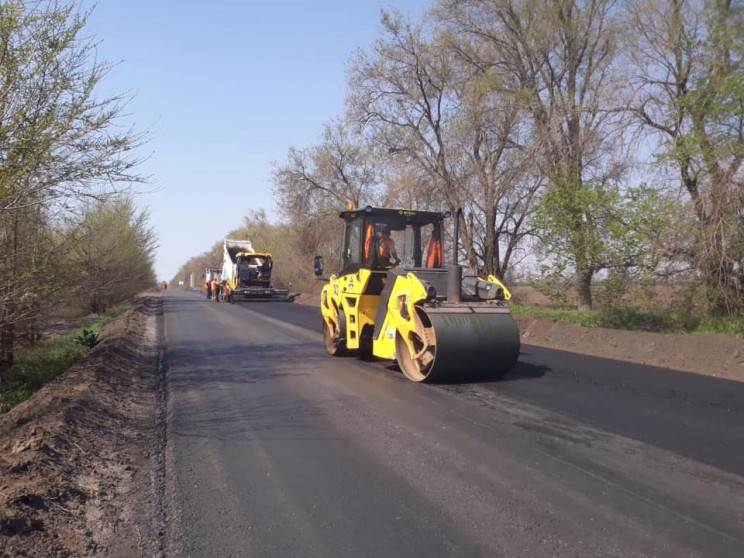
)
(226, 292)
(216, 289)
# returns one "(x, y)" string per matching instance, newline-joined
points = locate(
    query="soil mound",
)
(76, 459)
(708, 354)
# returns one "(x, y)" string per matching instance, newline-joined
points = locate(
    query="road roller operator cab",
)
(396, 297)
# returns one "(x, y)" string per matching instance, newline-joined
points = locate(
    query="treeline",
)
(70, 235)
(585, 140)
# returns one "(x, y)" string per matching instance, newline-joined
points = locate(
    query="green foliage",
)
(36, 366)
(554, 282)
(602, 227)
(113, 253)
(614, 287)
(88, 338)
(697, 112)
(667, 321)
(62, 144)
(727, 325)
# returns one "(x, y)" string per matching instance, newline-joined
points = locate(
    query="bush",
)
(88, 338)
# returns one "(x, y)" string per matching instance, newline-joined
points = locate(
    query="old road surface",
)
(276, 449)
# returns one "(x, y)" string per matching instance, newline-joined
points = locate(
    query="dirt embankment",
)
(79, 460)
(712, 355)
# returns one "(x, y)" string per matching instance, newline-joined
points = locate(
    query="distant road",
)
(276, 449)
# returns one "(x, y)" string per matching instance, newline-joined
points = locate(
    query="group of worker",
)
(217, 290)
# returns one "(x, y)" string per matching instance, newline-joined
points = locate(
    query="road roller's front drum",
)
(460, 344)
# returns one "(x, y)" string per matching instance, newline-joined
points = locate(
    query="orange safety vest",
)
(368, 241)
(434, 257)
(387, 245)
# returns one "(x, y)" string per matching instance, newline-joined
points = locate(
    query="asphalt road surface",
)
(276, 449)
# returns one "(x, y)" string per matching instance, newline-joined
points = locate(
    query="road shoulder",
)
(77, 458)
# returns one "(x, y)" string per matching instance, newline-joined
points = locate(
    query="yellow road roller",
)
(396, 298)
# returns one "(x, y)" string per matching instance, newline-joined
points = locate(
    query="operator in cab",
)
(386, 251)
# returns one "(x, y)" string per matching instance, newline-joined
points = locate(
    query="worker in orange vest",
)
(215, 289)
(226, 292)
(388, 254)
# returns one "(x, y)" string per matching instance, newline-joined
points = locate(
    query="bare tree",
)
(556, 59)
(689, 65)
(317, 182)
(430, 111)
(340, 169)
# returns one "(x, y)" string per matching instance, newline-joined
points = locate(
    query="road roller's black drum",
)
(471, 343)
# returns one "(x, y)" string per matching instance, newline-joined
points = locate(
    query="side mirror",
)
(318, 264)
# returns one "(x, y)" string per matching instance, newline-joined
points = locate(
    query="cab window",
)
(353, 244)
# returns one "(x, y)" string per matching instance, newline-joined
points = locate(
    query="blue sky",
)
(225, 88)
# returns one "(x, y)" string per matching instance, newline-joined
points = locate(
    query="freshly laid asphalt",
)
(276, 449)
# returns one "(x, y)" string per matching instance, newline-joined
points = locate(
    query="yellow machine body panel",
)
(346, 293)
(401, 314)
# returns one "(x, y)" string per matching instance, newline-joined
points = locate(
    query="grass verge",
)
(665, 321)
(36, 366)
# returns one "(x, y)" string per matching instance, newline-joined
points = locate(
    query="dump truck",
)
(396, 298)
(212, 273)
(249, 273)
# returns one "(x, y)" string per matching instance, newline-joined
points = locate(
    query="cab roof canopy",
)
(396, 218)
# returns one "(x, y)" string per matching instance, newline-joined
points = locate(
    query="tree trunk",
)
(7, 346)
(491, 255)
(584, 288)
(7, 328)
(724, 298)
